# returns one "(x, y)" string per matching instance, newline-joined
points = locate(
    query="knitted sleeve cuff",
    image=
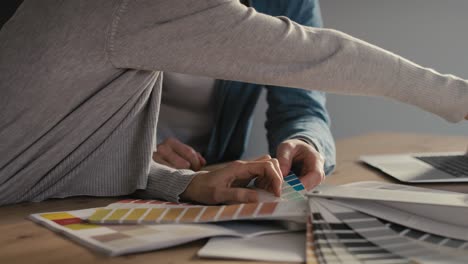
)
(445, 95)
(165, 183)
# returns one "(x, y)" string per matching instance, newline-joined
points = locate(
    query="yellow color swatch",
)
(117, 214)
(210, 213)
(99, 215)
(229, 212)
(81, 226)
(154, 214)
(172, 215)
(191, 214)
(57, 216)
(136, 214)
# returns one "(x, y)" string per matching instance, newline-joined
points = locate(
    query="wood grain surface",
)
(22, 241)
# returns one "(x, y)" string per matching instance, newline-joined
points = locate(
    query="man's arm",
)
(296, 113)
(173, 153)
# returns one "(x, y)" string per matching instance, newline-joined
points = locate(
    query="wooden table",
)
(22, 241)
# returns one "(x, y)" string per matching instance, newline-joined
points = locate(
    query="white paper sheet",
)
(441, 220)
(286, 247)
(445, 199)
(423, 250)
(117, 240)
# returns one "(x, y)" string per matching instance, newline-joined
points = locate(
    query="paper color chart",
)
(291, 205)
(432, 239)
(385, 237)
(398, 240)
(335, 242)
(155, 214)
(117, 240)
(292, 190)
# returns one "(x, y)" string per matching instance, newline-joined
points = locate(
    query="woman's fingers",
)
(267, 172)
(239, 195)
(264, 182)
(264, 157)
(277, 167)
(225, 185)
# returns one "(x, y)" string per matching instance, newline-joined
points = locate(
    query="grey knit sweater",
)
(80, 85)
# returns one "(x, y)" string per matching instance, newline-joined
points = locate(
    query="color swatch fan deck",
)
(355, 223)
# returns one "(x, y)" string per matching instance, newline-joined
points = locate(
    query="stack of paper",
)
(131, 226)
(372, 222)
(365, 222)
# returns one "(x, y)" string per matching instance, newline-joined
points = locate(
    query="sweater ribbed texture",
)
(165, 183)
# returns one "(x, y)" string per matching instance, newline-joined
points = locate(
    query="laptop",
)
(422, 167)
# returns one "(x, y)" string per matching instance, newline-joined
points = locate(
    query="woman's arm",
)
(225, 40)
(222, 185)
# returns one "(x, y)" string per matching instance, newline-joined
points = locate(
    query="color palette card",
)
(329, 240)
(147, 213)
(425, 217)
(457, 202)
(290, 206)
(117, 240)
(393, 239)
(292, 190)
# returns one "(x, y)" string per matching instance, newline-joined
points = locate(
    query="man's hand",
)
(175, 154)
(225, 185)
(295, 152)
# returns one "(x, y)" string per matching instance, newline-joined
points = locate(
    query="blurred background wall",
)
(429, 32)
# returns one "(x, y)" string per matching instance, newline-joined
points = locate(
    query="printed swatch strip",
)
(291, 204)
(197, 214)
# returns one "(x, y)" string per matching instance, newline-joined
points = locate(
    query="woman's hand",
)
(226, 185)
(175, 154)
